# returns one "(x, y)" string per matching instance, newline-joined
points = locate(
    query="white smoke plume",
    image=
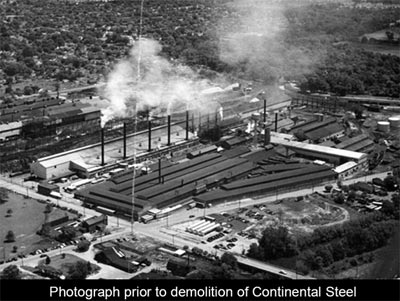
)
(254, 41)
(159, 85)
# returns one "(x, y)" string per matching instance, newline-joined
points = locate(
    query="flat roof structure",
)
(89, 157)
(316, 150)
(345, 167)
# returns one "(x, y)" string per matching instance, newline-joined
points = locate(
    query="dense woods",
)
(62, 41)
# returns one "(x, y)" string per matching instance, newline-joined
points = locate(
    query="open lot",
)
(26, 219)
(242, 226)
(64, 263)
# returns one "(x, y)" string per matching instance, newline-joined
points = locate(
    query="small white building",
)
(347, 169)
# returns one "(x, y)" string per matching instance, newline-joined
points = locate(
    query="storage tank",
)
(319, 117)
(256, 116)
(394, 122)
(383, 126)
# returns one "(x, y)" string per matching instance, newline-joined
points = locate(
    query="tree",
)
(45, 230)
(390, 183)
(9, 212)
(276, 243)
(328, 188)
(390, 35)
(254, 251)
(48, 208)
(78, 271)
(83, 245)
(15, 249)
(339, 198)
(229, 259)
(10, 237)
(352, 195)
(3, 195)
(28, 52)
(89, 267)
(28, 90)
(11, 272)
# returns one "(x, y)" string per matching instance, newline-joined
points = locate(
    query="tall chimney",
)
(276, 122)
(169, 130)
(102, 146)
(159, 170)
(267, 135)
(149, 130)
(193, 123)
(124, 140)
(199, 121)
(265, 110)
(187, 125)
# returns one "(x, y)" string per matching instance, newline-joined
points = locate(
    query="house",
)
(95, 223)
(116, 258)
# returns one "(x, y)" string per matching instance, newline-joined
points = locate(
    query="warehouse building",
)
(327, 154)
(319, 129)
(10, 130)
(267, 185)
(360, 143)
(347, 169)
(166, 186)
(87, 160)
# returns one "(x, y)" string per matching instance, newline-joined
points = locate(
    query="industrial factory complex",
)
(265, 151)
(249, 162)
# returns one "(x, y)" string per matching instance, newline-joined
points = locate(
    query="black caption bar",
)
(124, 290)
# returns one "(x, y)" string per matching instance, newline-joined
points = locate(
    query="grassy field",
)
(27, 217)
(64, 264)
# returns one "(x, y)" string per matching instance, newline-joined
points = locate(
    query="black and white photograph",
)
(199, 149)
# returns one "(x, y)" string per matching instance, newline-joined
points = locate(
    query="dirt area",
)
(27, 217)
(301, 216)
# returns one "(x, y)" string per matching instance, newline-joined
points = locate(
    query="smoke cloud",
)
(145, 80)
(254, 41)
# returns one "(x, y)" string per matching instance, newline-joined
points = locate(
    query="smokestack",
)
(102, 146)
(199, 121)
(159, 170)
(169, 130)
(276, 122)
(267, 135)
(187, 125)
(124, 140)
(149, 130)
(265, 110)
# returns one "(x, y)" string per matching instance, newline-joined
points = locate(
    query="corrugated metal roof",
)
(276, 177)
(325, 131)
(219, 194)
(351, 141)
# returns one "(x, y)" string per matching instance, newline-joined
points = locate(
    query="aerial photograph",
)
(200, 139)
